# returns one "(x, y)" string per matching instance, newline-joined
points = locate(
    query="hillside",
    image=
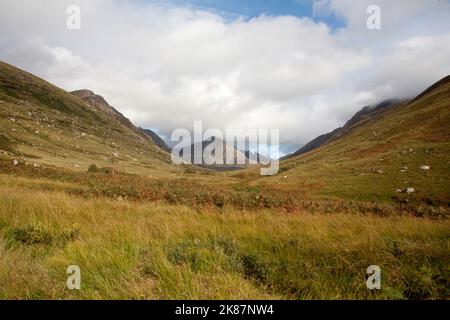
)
(157, 139)
(240, 159)
(365, 114)
(406, 145)
(41, 124)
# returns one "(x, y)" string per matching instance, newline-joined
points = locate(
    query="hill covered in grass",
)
(406, 145)
(41, 124)
(362, 116)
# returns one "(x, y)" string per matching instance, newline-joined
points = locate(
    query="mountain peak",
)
(93, 100)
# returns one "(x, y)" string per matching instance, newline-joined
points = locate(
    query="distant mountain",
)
(365, 114)
(240, 158)
(197, 152)
(157, 139)
(257, 156)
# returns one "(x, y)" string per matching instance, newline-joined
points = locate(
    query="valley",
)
(81, 185)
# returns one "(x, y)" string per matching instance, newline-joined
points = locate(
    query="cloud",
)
(165, 66)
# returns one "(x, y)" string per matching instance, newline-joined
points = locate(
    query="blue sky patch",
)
(255, 8)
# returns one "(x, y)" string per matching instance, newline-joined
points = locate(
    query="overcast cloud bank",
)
(165, 66)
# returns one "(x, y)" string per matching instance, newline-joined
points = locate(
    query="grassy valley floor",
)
(142, 249)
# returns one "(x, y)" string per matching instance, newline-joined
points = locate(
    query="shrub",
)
(37, 233)
(93, 168)
(255, 267)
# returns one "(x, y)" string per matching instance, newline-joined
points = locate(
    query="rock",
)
(115, 154)
(404, 169)
(15, 162)
(379, 171)
(76, 165)
(35, 165)
(83, 134)
(285, 177)
(398, 190)
(425, 167)
(410, 190)
(410, 150)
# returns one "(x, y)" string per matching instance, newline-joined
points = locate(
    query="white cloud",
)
(166, 66)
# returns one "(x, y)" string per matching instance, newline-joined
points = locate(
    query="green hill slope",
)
(383, 156)
(41, 124)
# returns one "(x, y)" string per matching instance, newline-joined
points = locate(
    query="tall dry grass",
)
(144, 250)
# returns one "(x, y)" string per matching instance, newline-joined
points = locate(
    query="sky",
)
(303, 67)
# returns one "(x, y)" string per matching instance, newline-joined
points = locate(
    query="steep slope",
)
(99, 105)
(365, 114)
(404, 146)
(157, 139)
(41, 124)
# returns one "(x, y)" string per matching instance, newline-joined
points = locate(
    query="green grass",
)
(129, 249)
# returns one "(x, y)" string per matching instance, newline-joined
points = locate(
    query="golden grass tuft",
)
(141, 250)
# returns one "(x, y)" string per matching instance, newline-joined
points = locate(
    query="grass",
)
(230, 193)
(412, 134)
(141, 250)
(106, 199)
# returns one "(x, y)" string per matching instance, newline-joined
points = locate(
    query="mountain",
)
(365, 114)
(157, 139)
(99, 105)
(256, 156)
(240, 158)
(399, 146)
(229, 152)
(41, 124)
